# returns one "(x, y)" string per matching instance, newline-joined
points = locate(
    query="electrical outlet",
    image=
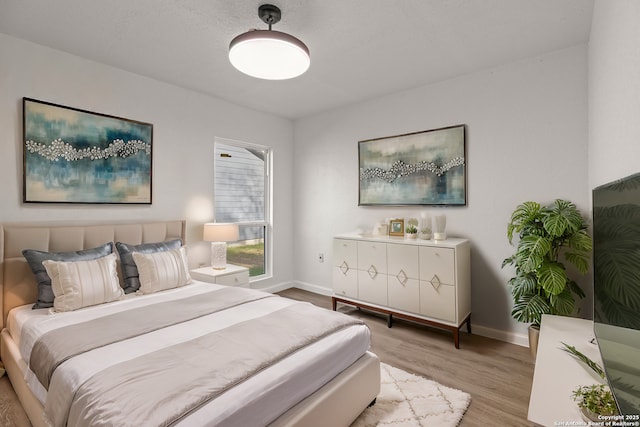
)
(321, 257)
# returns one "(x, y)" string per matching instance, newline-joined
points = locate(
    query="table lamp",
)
(219, 233)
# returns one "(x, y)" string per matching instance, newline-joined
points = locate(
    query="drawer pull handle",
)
(402, 278)
(344, 267)
(372, 272)
(435, 282)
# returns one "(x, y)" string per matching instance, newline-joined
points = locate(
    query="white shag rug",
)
(407, 400)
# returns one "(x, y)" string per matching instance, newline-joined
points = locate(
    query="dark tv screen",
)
(616, 264)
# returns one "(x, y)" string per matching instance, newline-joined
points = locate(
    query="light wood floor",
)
(496, 374)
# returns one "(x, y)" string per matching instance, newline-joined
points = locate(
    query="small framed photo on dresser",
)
(396, 227)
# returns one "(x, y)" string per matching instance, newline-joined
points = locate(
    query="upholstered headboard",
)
(17, 282)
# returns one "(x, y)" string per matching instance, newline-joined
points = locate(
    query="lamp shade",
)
(268, 54)
(220, 232)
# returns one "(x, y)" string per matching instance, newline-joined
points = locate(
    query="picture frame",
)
(396, 227)
(72, 155)
(425, 168)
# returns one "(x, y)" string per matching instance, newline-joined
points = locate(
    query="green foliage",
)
(584, 358)
(595, 398)
(412, 226)
(548, 238)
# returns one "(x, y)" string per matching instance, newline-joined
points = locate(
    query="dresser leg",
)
(456, 338)
(334, 303)
(469, 324)
(390, 321)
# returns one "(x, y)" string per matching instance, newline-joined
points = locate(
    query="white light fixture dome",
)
(268, 54)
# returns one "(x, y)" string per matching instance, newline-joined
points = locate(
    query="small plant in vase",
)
(425, 233)
(594, 401)
(412, 228)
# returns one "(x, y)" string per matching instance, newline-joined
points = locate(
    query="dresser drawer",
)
(438, 301)
(345, 254)
(440, 262)
(240, 278)
(345, 282)
(372, 256)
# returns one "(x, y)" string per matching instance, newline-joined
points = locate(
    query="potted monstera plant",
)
(549, 238)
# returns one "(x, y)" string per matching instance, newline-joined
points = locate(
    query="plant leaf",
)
(523, 284)
(531, 252)
(562, 218)
(582, 357)
(552, 277)
(524, 214)
(530, 308)
(563, 303)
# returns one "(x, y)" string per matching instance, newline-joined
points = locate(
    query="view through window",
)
(242, 196)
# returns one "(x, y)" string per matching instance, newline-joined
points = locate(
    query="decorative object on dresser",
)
(439, 227)
(219, 233)
(396, 227)
(412, 228)
(420, 168)
(78, 156)
(423, 281)
(549, 237)
(232, 275)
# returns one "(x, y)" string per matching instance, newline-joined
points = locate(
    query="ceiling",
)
(360, 49)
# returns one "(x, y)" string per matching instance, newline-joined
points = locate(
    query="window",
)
(241, 195)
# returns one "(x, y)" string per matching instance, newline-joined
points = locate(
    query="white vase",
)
(439, 227)
(412, 236)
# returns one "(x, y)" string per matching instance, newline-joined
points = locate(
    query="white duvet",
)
(256, 401)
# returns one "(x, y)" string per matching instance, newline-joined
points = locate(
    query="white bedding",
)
(256, 401)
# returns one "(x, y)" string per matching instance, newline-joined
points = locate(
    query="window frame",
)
(267, 222)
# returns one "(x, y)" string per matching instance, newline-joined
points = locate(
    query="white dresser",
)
(421, 280)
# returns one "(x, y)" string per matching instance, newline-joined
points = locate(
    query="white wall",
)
(614, 91)
(185, 124)
(527, 140)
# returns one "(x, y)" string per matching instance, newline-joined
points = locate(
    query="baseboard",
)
(496, 334)
(312, 288)
(278, 287)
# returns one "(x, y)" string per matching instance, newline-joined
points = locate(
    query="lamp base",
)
(219, 255)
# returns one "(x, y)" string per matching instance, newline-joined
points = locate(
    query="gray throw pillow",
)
(35, 258)
(127, 264)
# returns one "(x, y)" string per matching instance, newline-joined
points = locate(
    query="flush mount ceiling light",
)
(268, 54)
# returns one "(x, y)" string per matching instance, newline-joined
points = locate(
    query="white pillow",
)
(162, 270)
(80, 284)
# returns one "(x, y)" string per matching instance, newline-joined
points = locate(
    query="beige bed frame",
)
(336, 404)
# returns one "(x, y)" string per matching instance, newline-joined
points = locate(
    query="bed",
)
(266, 373)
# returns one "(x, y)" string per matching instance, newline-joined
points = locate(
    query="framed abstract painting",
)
(421, 168)
(78, 156)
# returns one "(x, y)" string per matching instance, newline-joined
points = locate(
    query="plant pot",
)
(534, 336)
(588, 415)
(412, 236)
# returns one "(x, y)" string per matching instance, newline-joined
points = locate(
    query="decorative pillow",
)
(162, 270)
(35, 259)
(83, 283)
(128, 266)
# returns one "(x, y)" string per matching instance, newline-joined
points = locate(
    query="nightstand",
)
(233, 275)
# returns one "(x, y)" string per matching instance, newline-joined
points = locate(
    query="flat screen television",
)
(616, 264)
